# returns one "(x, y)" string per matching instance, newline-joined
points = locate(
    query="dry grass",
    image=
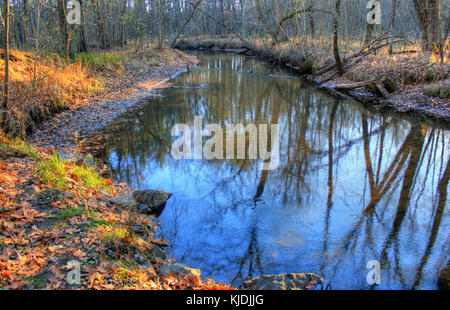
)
(31, 103)
(406, 69)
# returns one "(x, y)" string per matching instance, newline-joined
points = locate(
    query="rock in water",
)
(126, 201)
(444, 279)
(149, 201)
(154, 201)
(176, 268)
(288, 281)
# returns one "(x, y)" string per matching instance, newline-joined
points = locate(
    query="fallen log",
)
(377, 85)
(160, 243)
(236, 50)
(363, 53)
(404, 52)
(355, 85)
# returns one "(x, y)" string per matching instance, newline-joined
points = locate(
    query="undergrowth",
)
(65, 175)
(15, 147)
(58, 86)
(111, 61)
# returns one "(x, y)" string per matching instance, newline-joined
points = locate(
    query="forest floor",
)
(420, 82)
(124, 83)
(56, 216)
(57, 220)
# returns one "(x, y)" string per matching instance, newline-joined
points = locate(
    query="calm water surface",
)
(352, 185)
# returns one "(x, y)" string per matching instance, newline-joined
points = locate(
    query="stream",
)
(352, 186)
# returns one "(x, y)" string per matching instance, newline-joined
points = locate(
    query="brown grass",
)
(59, 84)
(406, 69)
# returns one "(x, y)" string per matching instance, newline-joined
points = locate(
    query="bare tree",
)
(428, 13)
(6, 80)
(337, 57)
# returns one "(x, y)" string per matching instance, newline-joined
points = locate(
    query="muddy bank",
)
(122, 93)
(410, 101)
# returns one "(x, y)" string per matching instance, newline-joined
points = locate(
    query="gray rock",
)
(157, 252)
(444, 279)
(154, 201)
(176, 268)
(149, 201)
(31, 190)
(140, 259)
(288, 281)
(126, 201)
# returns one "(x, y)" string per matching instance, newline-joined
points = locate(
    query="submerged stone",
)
(444, 279)
(154, 201)
(288, 281)
(151, 202)
(176, 268)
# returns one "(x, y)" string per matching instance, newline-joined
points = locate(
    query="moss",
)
(306, 67)
(64, 174)
(16, 148)
(436, 90)
(36, 282)
(69, 213)
(390, 85)
(103, 61)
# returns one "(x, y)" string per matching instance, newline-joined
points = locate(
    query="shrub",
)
(58, 86)
(436, 90)
(112, 61)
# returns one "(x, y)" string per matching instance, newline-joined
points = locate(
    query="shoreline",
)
(395, 104)
(58, 132)
(157, 269)
(68, 201)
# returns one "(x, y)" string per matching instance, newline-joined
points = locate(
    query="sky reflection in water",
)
(352, 185)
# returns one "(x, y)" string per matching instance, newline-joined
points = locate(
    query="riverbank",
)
(124, 86)
(407, 82)
(61, 227)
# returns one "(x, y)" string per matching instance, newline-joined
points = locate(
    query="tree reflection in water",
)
(353, 185)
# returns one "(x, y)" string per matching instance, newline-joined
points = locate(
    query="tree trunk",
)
(280, 32)
(82, 46)
(427, 12)
(264, 22)
(122, 23)
(6, 81)
(368, 33)
(36, 42)
(394, 12)
(63, 26)
(160, 21)
(102, 26)
(312, 24)
(337, 57)
(172, 45)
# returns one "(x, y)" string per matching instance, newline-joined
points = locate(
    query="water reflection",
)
(352, 186)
